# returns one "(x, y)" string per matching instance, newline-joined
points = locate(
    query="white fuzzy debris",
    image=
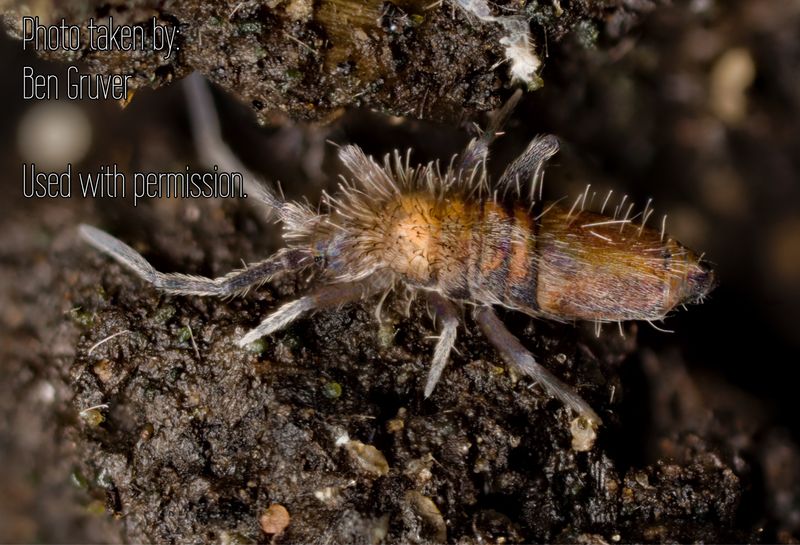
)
(93, 408)
(518, 43)
(524, 62)
(332, 495)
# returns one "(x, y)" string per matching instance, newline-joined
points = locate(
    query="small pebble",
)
(368, 458)
(275, 519)
(583, 434)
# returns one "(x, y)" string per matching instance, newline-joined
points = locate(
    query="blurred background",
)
(697, 108)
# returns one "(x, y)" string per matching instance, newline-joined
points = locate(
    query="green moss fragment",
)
(587, 34)
(250, 27)
(332, 390)
(78, 479)
(184, 334)
(386, 334)
(96, 508)
(164, 313)
(82, 317)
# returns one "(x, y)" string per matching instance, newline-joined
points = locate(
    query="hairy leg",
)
(516, 354)
(333, 295)
(233, 283)
(529, 167)
(445, 312)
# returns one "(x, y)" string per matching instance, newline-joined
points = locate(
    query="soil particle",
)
(275, 519)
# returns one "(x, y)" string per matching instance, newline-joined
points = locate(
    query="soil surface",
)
(130, 416)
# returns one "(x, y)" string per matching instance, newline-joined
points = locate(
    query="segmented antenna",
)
(478, 149)
(530, 164)
(212, 149)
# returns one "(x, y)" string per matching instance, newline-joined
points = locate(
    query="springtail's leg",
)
(516, 354)
(445, 312)
(530, 165)
(233, 283)
(333, 295)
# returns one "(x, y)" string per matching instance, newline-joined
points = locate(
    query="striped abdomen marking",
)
(504, 265)
(582, 266)
(468, 250)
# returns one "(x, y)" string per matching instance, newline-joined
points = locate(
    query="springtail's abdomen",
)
(593, 267)
(542, 260)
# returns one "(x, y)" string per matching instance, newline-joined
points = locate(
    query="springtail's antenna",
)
(478, 149)
(212, 149)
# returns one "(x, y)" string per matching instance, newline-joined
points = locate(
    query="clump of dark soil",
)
(311, 60)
